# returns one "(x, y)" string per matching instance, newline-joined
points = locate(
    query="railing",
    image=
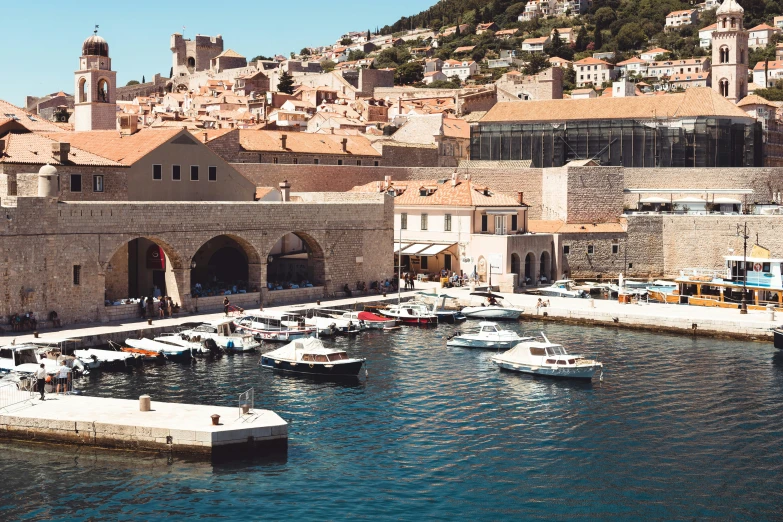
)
(247, 404)
(14, 394)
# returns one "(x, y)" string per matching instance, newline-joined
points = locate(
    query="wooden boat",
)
(310, 356)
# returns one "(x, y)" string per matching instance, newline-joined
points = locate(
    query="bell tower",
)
(95, 102)
(730, 53)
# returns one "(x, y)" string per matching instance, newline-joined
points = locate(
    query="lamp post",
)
(742, 231)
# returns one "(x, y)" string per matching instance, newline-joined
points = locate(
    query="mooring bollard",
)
(145, 403)
(245, 409)
(215, 419)
(35, 334)
(771, 312)
(149, 321)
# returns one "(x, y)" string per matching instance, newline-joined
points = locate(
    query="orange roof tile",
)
(126, 150)
(441, 192)
(305, 143)
(28, 120)
(456, 128)
(36, 149)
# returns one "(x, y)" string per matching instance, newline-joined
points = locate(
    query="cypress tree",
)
(598, 41)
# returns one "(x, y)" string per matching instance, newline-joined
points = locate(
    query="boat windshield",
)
(339, 356)
(26, 357)
(555, 350)
(537, 351)
(490, 329)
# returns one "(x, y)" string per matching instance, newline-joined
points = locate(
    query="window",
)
(339, 162)
(424, 263)
(566, 250)
(377, 163)
(76, 182)
(404, 221)
(212, 174)
(315, 161)
(615, 248)
(77, 274)
(194, 173)
(424, 221)
(275, 160)
(157, 172)
(500, 225)
(484, 223)
(590, 249)
(358, 163)
(176, 174)
(447, 261)
(514, 223)
(97, 183)
(296, 161)
(447, 223)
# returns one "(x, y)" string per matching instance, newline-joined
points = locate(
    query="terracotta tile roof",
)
(464, 49)
(305, 143)
(126, 150)
(539, 226)
(697, 101)
(229, 53)
(211, 133)
(678, 13)
(709, 27)
(539, 40)
(635, 59)
(28, 120)
(263, 191)
(754, 99)
(657, 50)
(777, 64)
(592, 61)
(456, 128)
(441, 192)
(36, 149)
(762, 27)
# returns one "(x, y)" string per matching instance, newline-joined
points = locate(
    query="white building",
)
(760, 35)
(633, 66)
(677, 19)
(590, 71)
(434, 76)
(774, 73)
(652, 54)
(670, 67)
(705, 36)
(462, 70)
(535, 45)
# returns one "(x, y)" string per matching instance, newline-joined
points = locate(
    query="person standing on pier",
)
(62, 377)
(226, 305)
(40, 380)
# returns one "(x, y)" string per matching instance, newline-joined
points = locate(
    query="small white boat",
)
(273, 326)
(495, 308)
(225, 334)
(367, 320)
(196, 348)
(545, 358)
(164, 347)
(310, 356)
(487, 336)
(63, 348)
(331, 325)
(108, 359)
(444, 316)
(24, 358)
(563, 288)
(410, 313)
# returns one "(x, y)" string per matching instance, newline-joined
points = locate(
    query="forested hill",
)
(448, 12)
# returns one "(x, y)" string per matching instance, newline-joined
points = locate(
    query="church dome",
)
(95, 46)
(729, 7)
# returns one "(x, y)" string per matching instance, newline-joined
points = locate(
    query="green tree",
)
(569, 79)
(536, 62)
(132, 82)
(598, 40)
(630, 37)
(143, 79)
(408, 73)
(305, 51)
(327, 66)
(444, 84)
(581, 40)
(346, 41)
(356, 55)
(369, 35)
(262, 58)
(558, 48)
(286, 83)
(604, 17)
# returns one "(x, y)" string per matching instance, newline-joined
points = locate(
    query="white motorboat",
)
(439, 308)
(164, 347)
(310, 356)
(367, 320)
(108, 359)
(333, 325)
(495, 308)
(224, 333)
(24, 358)
(487, 336)
(563, 288)
(273, 326)
(63, 349)
(196, 348)
(548, 359)
(410, 313)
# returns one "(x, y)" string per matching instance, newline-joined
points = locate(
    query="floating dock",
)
(181, 429)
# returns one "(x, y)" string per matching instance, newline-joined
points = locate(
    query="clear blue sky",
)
(42, 38)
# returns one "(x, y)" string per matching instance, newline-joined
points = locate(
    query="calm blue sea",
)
(680, 428)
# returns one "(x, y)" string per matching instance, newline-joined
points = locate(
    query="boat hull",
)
(348, 369)
(488, 312)
(778, 339)
(451, 317)
(481, 344)
(572, 372)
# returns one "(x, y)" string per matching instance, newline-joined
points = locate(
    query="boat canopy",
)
(486, 294)
(310, 345)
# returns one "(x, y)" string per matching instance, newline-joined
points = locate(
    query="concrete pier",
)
(182, 429)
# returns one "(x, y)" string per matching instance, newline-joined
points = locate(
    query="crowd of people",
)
(161, 307)
(288, 285)
(219, 288)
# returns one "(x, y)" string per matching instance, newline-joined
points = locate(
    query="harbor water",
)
(680, 428)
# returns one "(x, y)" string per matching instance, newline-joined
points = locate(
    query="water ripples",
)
(681, 428)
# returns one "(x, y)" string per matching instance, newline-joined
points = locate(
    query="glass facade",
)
(699, 142)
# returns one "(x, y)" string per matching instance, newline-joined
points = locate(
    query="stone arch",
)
(102, 91)
(530, 268)
(724, 54)
(723, 87)
(545, 267)
(82, 90)
(131, 269)
(516, 268)
(225, 261)
(295, 257)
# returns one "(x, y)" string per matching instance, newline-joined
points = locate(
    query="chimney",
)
(378, 186)
(60, 151)
(285, 190)
(454, 179)
(205, 136)
(345, 144)
(2, 147)
(283, 138)
(386, 182)
(521, 198)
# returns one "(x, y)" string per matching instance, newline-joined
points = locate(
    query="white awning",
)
(415, 249)
(398, 247)
(653, 199)
(502, 212)
(434, 250)
(727, 201)
(691, 200)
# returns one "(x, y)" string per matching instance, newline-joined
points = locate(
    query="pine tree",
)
(286, 84)
(556, 47)
(143, 79)
(457, 32)
(581, 40)
(368, 35)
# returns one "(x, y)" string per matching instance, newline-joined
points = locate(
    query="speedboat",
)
(487, 336)
(331, 325)
(25, 358)
(310, 356)
(546, 358)
(444, 315)
(225, 334)
(495, 308)
(410, 313)
(273, 326)
(60, 349)
(562, 288)
(367, 320)
(166, 348)
(108, 359)
(197, 348)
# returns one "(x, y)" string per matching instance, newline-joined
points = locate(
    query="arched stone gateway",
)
(545, 270)
(530, 267)
(515, 268)
(295, 262)
(225, 263)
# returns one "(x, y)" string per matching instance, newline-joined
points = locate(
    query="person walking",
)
(40, 381)
(226, 305)
(62, 377)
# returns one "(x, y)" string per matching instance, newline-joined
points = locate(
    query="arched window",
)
(723, 85)
(82, 90)
(191, 62)
(723, 23)
(103, 91)
(742, 56)
(724, 54)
